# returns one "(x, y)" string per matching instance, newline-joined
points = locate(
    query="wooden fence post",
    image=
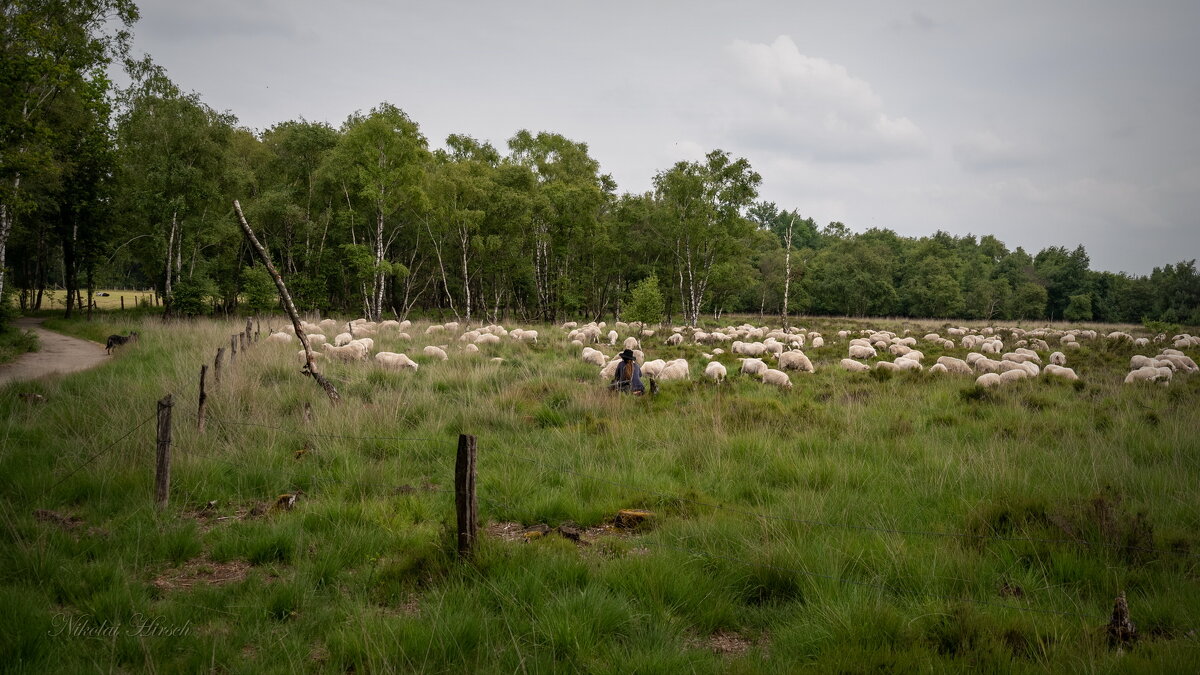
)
(162, 468)
(122, 303)
(217, 364)
(464, 495)
(203, 407)
(232, 349)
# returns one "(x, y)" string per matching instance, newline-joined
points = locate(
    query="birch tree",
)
(381, 158)
(703, 207)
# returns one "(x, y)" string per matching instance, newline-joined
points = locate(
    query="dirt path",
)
(58, 354)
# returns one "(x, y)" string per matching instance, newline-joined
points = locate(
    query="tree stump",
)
(629, 519)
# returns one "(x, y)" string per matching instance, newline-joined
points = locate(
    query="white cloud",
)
(808, 106)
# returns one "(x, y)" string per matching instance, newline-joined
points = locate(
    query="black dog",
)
(118, 340)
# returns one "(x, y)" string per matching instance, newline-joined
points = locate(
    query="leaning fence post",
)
(232, 349)
(162, 468)
(203, 407)
(217, 364)
(464, 494)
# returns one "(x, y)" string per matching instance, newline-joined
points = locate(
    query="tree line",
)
(103, 186)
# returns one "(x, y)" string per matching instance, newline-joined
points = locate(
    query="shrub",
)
(645, 302)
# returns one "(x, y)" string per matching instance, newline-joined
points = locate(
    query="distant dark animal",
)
(118, 340)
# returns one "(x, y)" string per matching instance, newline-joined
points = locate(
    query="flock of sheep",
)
(768, 353)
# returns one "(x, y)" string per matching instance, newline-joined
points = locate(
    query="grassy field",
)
(857, 523)
(56, 299)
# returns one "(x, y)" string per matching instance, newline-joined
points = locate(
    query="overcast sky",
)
(1044, 123)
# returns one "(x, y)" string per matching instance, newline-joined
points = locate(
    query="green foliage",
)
(645, 302)
(193, 296)
(1079, 308)
(1163, 327)
(259, 289)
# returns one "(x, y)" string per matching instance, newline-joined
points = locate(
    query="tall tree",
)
(47, 47)
(380, 161)
(704, 216)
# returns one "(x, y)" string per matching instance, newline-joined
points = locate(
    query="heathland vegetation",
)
(857, 521)
(897, 519)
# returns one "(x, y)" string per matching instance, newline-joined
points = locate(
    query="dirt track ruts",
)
(58, 354)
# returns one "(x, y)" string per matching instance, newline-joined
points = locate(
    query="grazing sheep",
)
(986, 365)
(471, 349)
(367, 343)
(327, 324)
(569, 325)
(855, 366)
(886, 365)
(988, 380)
(1014, 375)
(389, 324)
(347, 352)
(715, 371)
(631, 343)
(437, 352)
(435, 328)
(861, 352)
(362, 331)
(487, 339)
(795, 361)
(777, 378)
(905, 363)
(818, 342)
(316, 355)
(652, 368)
(752, 366)
(1058, 359)
(675, 370)
(609, 371)
(279, 337)
(594, 357)
(612, 337)
(342, 339)
(1143, 374)
(953, 365)
(1020, 358)
(675, 339)
(939, 368)
(899, 349)
(396, 361)
(1055, 370)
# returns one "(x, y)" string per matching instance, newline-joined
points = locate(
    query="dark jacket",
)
(628, 378)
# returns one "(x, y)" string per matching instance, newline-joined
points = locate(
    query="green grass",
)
(806, 568)
(14, 343)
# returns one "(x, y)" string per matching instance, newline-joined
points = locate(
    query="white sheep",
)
(652, 368)
(905, 363)
(855, 366)
(675, 339)
(594, 357)
(281, 337)
(435, 328)
(752, 366)
(818, 342)
(1058, 359)
(436, 352)
(777, 378)
(303, 359)
(327, 324)
(862, 352)
(612, 337)
(715, 371)
(795, 360)
(675, 370)
(1014, 375)
(347, 352)
(367, 343)
(631, 343)
(342, 339)
(471, 349)
(1055, 370)
(939, 368)
(396, 361)
(886, 365)
(954, 365)
(988, 380)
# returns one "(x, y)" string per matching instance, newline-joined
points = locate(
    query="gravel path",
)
(58, 354)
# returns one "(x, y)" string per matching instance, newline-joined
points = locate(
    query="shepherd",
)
(628, 377)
